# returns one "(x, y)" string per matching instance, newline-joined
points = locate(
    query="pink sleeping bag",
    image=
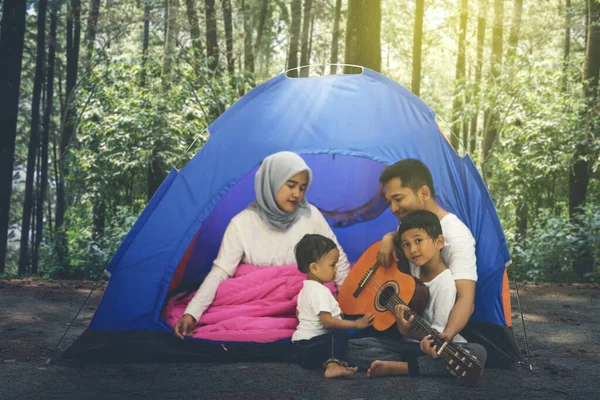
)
(257, 305)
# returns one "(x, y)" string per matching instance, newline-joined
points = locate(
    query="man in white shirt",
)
(408, 187)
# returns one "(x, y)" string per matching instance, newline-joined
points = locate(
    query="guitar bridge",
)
(363, 282)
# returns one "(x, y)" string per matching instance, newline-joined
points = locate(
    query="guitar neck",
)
(420, 328)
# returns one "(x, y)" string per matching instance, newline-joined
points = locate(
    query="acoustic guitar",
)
(371, 289)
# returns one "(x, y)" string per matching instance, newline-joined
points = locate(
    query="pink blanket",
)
(257, 305)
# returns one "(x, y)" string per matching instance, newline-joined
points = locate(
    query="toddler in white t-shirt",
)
(319, 337)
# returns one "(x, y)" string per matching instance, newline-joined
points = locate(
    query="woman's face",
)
(292, 192)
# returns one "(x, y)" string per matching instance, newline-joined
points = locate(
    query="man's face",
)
(402, 200)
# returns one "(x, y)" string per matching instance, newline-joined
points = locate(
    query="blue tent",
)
(347, 128)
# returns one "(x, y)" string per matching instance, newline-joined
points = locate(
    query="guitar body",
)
(379, 288)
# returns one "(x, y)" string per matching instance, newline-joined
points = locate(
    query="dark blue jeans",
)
(314, 352)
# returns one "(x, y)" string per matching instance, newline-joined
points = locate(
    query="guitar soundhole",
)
(387, 297)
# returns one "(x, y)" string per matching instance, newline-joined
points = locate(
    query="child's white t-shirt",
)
(442, 296)
(313, 299)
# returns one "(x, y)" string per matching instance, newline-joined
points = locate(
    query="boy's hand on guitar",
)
(365, 321)
(428, 347)
(403, 324)
(387, 252)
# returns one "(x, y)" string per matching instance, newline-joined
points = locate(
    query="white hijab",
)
(274, 172)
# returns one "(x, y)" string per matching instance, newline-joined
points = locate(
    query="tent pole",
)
(189, 147)
(524, 329)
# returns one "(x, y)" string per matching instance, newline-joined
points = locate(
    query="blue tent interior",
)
(347, 128)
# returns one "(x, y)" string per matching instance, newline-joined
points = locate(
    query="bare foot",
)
(383, 368)
(334, 370)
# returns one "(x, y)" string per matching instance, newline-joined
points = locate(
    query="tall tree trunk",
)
(465, 122)
(310, 36)
(248, 50)
(52, 41)
(192, 15)
(90, 39)
(172, 31)
(515, 28)
(34, 136)
(156, 170)
(417, 47)
(580, 171)
(68, 129)
(227, 19)
(292, 61)
(11, 53)
(335, 37)
(460, 76)
(212, 45)
(481, 23)
(90, 34)
(363, 34)
(145, 43)
(491, 128)
(260, 28)
(567, 46)
(304, 55)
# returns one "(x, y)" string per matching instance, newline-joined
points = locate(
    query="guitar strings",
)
(421, 327)
(450, 353)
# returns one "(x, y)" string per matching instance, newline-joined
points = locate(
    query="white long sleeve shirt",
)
(251, 240)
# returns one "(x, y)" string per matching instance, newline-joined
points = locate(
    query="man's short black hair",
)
(310, 249)
(420, 219)
(413, 174)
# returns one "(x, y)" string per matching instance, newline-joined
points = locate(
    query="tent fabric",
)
(347, 128)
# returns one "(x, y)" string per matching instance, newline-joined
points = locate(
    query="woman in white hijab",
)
(266, 232)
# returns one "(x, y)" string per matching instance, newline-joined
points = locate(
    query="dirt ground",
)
(562, 323)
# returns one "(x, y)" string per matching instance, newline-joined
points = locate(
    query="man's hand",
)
(185, 326)
(403, 324)
(387, 252)
(365, 321)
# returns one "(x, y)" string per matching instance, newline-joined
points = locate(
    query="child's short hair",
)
(421, 219)
(310, 249)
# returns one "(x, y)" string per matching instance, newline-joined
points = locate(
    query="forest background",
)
(100, 98)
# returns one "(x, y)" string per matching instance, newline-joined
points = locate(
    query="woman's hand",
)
(387, 252)
(185, 326)
(403, 324)
(365, 321)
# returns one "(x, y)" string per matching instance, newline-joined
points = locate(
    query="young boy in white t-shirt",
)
(421, 239)
(319, 315)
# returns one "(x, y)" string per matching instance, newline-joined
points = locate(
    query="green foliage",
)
(553, 243)
(89, 254)
(125, 127)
